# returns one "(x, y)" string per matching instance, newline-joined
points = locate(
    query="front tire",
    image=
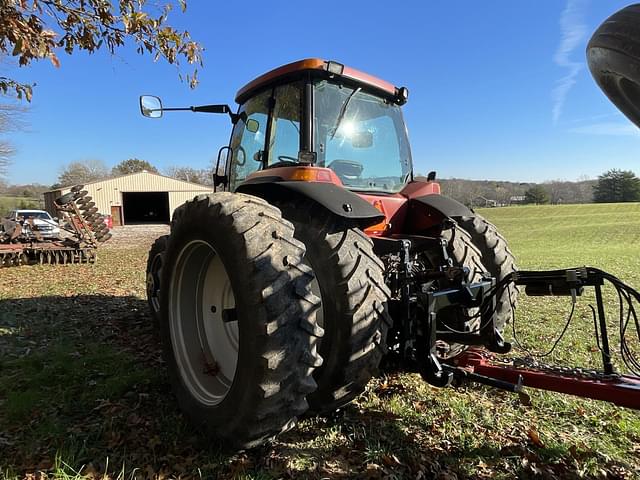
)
(238, 319)
(154, 273)
(613, 55)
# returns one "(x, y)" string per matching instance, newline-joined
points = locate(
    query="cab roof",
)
(318, 65)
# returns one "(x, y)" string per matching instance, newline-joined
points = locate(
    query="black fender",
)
(445, 206)
(338, 200)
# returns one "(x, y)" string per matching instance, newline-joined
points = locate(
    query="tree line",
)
(610, 187)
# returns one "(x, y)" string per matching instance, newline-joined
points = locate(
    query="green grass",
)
(82, 386)
(9, 202)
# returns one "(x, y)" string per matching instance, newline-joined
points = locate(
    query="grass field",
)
(82, 389)
(9, 202)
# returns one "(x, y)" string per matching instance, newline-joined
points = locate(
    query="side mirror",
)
(150, 106)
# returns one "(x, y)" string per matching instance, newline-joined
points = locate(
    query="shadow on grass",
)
(82, 385)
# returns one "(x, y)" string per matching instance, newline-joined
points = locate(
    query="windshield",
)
(35, 215)
(361, 137)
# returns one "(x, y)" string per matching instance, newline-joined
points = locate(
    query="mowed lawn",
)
(83, 391)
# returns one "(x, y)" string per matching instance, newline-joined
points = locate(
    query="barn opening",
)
(145, 207)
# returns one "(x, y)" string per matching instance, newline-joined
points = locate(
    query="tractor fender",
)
(445, 206)
(337, 200)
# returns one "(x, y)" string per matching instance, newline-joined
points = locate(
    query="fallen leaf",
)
(534, 436)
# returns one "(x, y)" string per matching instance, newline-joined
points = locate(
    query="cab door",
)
(267, 133)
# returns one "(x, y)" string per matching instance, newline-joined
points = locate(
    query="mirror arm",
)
(216, 109)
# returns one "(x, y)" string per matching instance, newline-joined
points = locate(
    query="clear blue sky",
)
(498, 89)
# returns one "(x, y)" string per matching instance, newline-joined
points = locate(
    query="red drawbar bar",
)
(622, 390)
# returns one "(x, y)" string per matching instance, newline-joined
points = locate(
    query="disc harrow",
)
(22, 244)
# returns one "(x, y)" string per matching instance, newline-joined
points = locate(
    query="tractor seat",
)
(349, 170)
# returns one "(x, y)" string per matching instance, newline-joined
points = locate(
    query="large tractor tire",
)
(464, 253)
(354, 316)
(613, 54)
(154, 273)
(238, 318)
(496, 259)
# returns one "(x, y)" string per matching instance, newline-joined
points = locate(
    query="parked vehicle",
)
(45, 224)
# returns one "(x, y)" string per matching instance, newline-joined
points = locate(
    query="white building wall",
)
(108, 193)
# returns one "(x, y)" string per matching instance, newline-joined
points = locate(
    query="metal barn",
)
(142, 197)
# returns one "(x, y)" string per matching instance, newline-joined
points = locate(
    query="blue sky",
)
(498, 89)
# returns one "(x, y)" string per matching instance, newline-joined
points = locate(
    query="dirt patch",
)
(135, 235)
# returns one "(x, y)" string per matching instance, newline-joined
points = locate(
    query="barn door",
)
(116, 215)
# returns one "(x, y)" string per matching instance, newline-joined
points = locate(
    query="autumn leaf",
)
(534, 436)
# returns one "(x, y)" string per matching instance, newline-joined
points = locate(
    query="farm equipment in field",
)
(321, 255)
(21, 242)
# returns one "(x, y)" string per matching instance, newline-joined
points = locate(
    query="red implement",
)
(622, 390)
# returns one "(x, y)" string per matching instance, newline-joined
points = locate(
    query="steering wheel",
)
(284, 161)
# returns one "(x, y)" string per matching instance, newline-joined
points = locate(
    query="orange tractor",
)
(321, 254)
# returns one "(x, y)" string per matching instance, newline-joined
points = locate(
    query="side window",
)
(284, 143)
(248, 139)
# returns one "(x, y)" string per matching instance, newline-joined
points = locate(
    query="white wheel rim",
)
(205, 347)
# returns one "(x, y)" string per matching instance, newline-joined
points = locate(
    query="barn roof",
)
(165, 178)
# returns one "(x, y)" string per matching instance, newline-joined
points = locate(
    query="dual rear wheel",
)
(250, 346)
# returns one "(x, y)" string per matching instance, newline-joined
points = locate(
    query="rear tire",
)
(231, 256)
(463, 252)
(498, 260)
(350, 279)
(613, 54)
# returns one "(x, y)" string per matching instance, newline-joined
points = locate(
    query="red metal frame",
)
(317, 64)
(396, 206)
(622, 390)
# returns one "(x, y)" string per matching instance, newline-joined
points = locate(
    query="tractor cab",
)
(321, 131)
(321, 121)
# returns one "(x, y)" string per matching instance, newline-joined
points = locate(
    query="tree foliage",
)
(39, 29)
(82, 172)
(202, 176)
(10, 120)
(132, 165)
(617, 186)
(537, 195)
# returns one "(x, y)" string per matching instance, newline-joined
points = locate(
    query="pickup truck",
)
(46, 225)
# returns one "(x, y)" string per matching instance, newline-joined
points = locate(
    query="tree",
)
(40, 29)
(82, 172)
(617, 186)
(202, 176)
(10, 120)
(133, 165)
(536, 194)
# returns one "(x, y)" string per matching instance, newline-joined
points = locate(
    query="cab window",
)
(248, 139)
(284, 143)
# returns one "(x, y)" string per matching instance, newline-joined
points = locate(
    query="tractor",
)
(321, 255)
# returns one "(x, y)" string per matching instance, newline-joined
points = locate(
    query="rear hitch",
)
(513, 374)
